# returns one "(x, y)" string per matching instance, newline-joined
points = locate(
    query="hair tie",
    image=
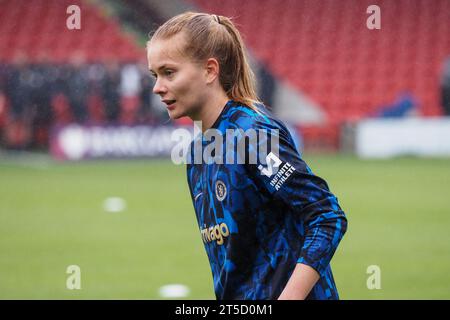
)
(216, 17)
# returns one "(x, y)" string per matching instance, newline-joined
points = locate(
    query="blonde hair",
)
(215, 36)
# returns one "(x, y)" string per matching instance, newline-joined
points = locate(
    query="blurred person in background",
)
(110, 91)
(17, 132)
(445, 87)
(41, 100)
(4, 103)
(130, 87)
(78, 87)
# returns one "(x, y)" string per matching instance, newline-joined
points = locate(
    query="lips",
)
(169, 102)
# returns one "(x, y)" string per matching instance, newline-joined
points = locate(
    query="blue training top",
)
(258, 220)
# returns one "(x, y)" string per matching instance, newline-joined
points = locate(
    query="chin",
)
(174, 115)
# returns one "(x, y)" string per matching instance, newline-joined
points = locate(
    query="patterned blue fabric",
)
(256, 227)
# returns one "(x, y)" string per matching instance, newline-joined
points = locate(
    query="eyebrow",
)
(160, 68)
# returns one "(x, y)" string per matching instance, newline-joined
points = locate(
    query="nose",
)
(159, 87)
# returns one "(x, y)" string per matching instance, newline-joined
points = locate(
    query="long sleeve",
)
(286, 177)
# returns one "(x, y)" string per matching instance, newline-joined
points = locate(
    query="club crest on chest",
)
(221, 190)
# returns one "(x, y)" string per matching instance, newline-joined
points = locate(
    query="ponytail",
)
(244, 87)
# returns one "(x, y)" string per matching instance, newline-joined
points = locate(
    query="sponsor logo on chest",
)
(215, 233)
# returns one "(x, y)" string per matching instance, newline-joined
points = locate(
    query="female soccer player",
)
(270, 227)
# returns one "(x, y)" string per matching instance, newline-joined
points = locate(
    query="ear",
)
(212, 70)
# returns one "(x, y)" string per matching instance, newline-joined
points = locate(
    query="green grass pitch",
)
(51, 216)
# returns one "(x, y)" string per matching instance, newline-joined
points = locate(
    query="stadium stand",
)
(322, 48)
(38, 28)
(52, 76)
(326, 51)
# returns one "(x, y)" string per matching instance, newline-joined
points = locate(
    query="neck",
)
(211, 111)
